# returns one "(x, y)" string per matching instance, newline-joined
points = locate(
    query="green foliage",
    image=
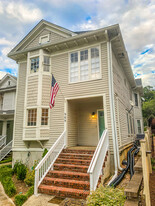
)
(106, 196)
(20, 199)
(149, 93)
(20, 170)
(6, 179)
(9, 159)
(30, 192)
(29, 180)
(44, 152)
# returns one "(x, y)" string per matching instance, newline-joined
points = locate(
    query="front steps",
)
(69, 176)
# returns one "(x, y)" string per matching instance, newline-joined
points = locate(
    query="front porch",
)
(86, 121)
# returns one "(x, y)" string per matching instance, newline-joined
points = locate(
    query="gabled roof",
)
(43, 23)
(6, 76)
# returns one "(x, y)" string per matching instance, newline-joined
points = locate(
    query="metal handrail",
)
(5, 150)
(47, 162)
(95, 167)
(2, 140)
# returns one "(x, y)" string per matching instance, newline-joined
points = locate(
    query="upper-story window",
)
(136, 99)
(139, 129)
(46, 64)
(85, 65)
(32, 117)
(34, 64)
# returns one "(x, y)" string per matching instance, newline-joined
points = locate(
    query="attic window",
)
(44, 39)
(9, 83)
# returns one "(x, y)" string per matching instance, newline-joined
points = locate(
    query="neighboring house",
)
(97, 88)
(7, 110)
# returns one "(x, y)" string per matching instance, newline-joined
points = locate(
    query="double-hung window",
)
(139, 127)
(32, 117)
(34, 64)
(46, 64)
(44, 116)
(85, 65)
(136, 99)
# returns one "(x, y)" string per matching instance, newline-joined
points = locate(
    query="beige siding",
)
(32, 90)
(30, 133)
(44, 133)
(122, 91)
(87, 127)
(19, 112)
(9, 100)
(54, 37)
(46, 87)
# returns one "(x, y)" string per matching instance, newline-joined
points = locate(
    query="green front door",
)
(9, 131)
(1, 127)
(101, 122)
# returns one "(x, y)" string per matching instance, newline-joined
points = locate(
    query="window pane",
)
(139, 127)
(136, 99)
(34, 64)
(44, 117)
(46, 63)
(84, 65)
(74, 67)
(95, 63)
(32, 117)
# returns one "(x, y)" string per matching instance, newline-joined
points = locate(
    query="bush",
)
(106, 196)
(9, 159)
(20, 199)
(9, 186)
(20, 170)
(44, 152)
(5, 171)
(29, 180)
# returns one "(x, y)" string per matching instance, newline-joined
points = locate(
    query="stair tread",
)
(80, 160)
(69, 173)
(86, 155)
(65, 189)
(67, 180)
(70, 165)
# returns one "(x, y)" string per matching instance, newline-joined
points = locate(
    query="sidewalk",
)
(4, 199)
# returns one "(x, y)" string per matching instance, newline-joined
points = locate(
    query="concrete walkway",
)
(4, 199)
(40, 200)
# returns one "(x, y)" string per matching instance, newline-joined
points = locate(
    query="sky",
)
(135, 17)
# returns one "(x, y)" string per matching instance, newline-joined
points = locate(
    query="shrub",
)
(44, 152)
(5, 171)
(9, 186)
(30, 191)
(20, 169)
(9, 159)
(20, 199)
(106, 196)
(29, 180)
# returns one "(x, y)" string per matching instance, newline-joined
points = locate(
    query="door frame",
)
(98, 122)
(103, 95)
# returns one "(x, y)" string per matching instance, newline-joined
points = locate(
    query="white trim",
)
(86, 96)
(44, 36)
(27, 150)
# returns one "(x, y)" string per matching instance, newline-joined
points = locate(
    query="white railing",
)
(95, 167)
(2, 141)
(47, 162)
(5, 150)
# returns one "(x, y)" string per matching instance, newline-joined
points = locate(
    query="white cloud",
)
(1, 8)
(4, 41)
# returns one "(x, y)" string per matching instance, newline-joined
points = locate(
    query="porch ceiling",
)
(86, 100)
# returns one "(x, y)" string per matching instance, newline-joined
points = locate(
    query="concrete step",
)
(138, 166)
(131, 203)
(63, 191)
(73, 161)
(68, 175)
(69, 183)
(133, 187)
(70, 167)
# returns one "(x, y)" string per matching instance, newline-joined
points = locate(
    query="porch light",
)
(93, 115)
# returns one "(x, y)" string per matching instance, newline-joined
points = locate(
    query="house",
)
(95, 103)
(7, 110)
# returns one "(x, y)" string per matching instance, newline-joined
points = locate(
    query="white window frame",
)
(46, 64)
(140, 125)
(44, 36)
(31, 126)
(137, 99)
(48, 117)
(30, 71)
(89, 63)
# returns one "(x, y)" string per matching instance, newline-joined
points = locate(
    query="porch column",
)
(4, 128)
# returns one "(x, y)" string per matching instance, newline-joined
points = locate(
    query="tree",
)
(148, 106)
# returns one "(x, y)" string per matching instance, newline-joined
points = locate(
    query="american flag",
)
(54, 90)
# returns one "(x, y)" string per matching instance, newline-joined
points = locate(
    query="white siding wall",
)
(9, 100)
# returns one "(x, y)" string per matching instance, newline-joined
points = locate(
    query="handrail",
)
(47, 162)
(5, 150)
(95, 167)
(2, 140)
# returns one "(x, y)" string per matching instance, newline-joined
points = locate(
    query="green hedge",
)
(6, 179)
(20, 199)
(106, 196)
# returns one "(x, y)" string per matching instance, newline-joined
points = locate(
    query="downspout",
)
(111, 109)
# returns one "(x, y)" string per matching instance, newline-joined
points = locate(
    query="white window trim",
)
(45, 126)
(44, 36)
(137, 99)
(89, 63)
(140, 125)
(29, 126)
(47, 72)
(29, 65)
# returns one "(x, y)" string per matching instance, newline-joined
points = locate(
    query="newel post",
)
(146, 172)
